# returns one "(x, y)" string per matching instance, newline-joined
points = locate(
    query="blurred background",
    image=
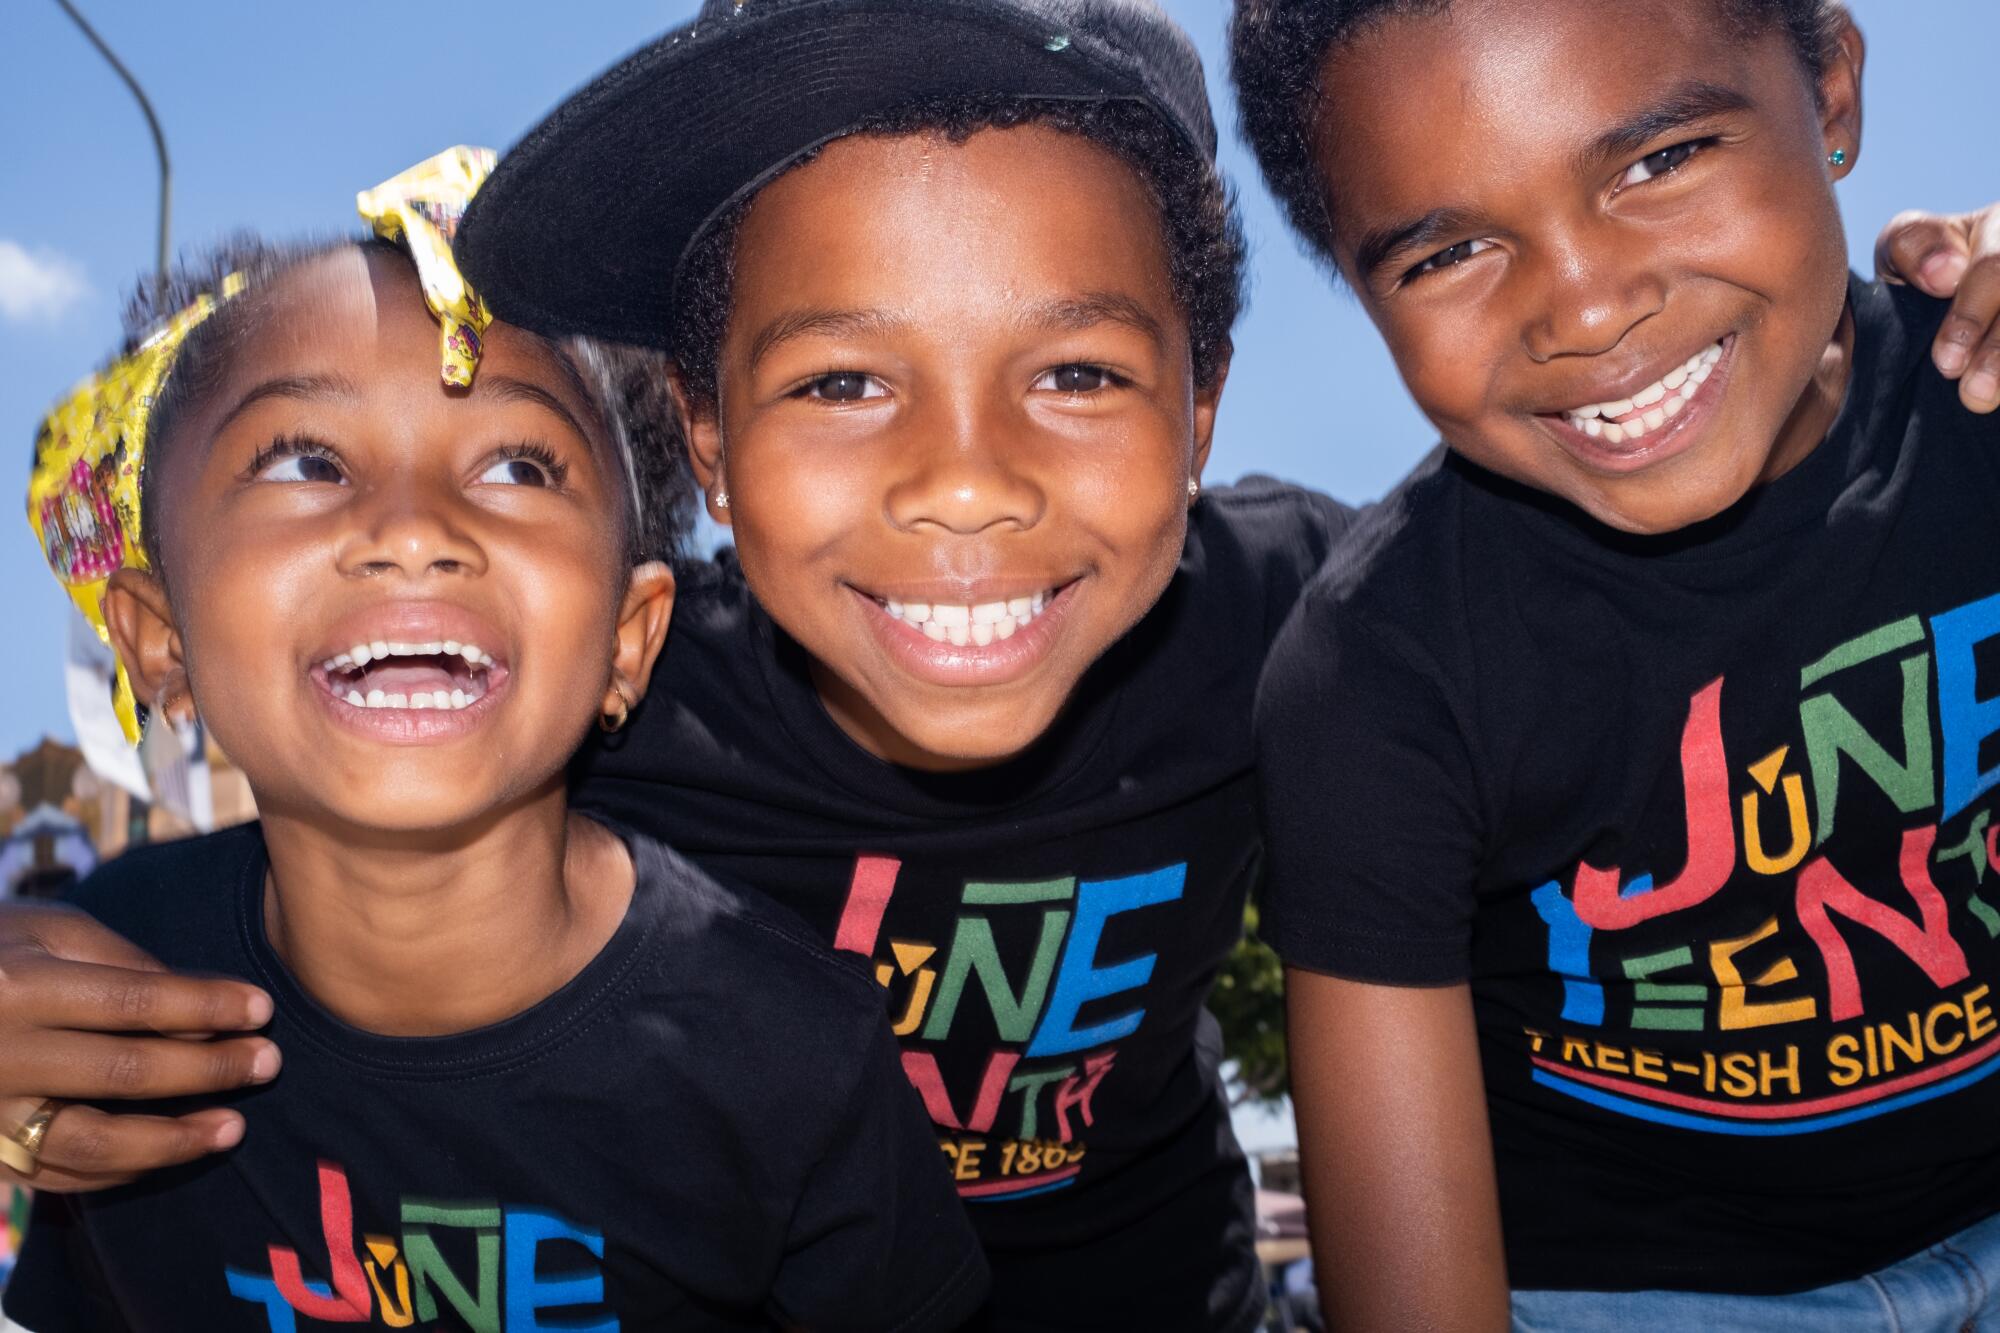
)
(274, 115)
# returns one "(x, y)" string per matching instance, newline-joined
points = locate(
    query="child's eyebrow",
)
(302, 388)
(1682, 105)
(507, 389)
(1076, 313)
(1065, 313)
(822, 322)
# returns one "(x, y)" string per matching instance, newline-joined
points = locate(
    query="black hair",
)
(1198, 221)
(628, 386)
(1277, 57)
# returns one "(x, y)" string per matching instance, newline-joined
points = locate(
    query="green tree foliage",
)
(1249, 1002)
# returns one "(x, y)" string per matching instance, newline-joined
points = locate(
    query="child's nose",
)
(962, 472)
(1583, 302)
(404, 531)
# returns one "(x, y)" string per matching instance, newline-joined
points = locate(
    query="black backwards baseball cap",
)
(584, 226)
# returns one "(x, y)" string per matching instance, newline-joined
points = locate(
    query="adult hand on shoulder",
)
(77, 1005)
(1954, 255)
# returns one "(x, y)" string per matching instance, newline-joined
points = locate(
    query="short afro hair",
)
(1278, 51)
(627, 385)
(1197, 209)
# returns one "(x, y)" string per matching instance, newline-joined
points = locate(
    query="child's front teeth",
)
(445, 701)
(976, 623)
(1656, 404)
(352, 665)
(361, 654)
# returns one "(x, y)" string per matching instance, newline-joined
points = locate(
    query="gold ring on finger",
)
(21, 1147)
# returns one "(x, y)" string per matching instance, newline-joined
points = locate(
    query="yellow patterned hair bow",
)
(421, 208)
(83, 495)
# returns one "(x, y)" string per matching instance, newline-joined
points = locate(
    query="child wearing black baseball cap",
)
(949, 286)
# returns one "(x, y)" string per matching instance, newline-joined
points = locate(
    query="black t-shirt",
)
(1047, 929)
(1705, 819)
(702, 1130)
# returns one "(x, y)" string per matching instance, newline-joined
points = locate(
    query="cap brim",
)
(581, 227)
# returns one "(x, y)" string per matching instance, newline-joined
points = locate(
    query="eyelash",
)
(539, 454)
(1693, 147)
(810, 387)
(290, 446)
(1425, 267)
(1112, 379)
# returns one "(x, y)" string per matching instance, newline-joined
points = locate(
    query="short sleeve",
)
(1314, 520)
(879, 1240)
(1262, 540)
(1370, 808)
(56, 1286)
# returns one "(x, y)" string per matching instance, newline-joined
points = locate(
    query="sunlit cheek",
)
(227, 607)
(1135, 471)
(796, 495)
(1433, 371)
(565, 597)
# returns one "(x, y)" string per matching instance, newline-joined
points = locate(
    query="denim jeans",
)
(1953, 1285)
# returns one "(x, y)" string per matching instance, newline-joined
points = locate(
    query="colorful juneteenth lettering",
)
(1081, 979)
(1749, 982)
(1965, 719)
(504, 1296)
(1046, 1066)
(1711, 839)
(1930, 945)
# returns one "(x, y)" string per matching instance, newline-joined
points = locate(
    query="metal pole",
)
(152, 123)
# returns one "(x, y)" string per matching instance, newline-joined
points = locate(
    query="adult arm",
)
(1398, 1164)
(85, 1014)
(1956, 256)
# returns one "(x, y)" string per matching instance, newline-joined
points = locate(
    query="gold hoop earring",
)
(609, 721)
(175, 704)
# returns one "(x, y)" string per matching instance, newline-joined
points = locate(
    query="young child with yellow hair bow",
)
(399, 599)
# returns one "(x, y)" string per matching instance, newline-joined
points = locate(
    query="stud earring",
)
(722, 499)
(1838, 157)
(1194, 488)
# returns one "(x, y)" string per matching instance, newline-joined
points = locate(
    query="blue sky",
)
(276, 114)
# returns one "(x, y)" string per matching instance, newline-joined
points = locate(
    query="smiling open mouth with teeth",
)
(977, 623)
(1649, 409)
(444, 675)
